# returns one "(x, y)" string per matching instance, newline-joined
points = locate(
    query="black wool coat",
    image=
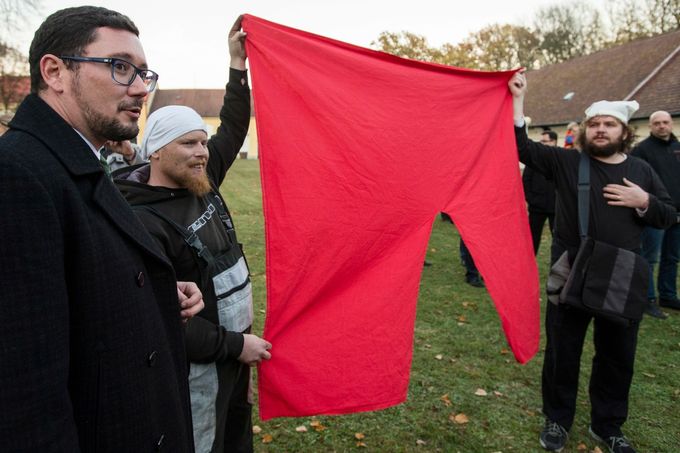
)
(92, 354)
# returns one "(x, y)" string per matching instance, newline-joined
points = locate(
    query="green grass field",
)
(459, 348)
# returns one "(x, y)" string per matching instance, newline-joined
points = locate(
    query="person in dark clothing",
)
(625, 195)
(539, 193)
(177, 198)
(662, 151)
(92, 354)
(472, 276)
(119, 154)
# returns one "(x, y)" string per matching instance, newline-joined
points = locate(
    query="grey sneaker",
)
(652, 309)
(615, 444)
(554, 436)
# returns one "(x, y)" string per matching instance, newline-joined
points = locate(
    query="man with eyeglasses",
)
(92, 354)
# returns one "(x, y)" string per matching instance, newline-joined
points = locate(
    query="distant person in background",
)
(662, 151)
(539, 193)
(120, 154)
(472, 276)
(571, 135)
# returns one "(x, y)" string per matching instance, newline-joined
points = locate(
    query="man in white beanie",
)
(625, 195)
(177, 198)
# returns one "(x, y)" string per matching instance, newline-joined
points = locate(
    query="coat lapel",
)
(36, 118)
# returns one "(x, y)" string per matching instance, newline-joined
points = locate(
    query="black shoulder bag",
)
(607, 281)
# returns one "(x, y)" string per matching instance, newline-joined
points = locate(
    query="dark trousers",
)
(612, 368)
(468, 262)
(238, 436)
(536, 222)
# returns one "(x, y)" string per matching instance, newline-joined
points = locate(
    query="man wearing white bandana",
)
(177, 198)
(625, 195)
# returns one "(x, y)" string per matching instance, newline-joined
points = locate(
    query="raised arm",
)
(518, 88)
(235, 112)
(541, 158)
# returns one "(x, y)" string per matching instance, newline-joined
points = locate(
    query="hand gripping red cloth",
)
(359, 152)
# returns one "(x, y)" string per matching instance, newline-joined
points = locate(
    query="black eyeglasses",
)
(122, 71)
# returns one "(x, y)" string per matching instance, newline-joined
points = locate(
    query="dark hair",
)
(626, 143)
(68, 32)
(550, 133)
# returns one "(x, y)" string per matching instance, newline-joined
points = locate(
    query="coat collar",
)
(35, 117)
(671, 139)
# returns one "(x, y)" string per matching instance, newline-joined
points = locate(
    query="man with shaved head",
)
(662, 151)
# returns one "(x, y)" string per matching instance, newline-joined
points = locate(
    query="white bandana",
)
(168, 123)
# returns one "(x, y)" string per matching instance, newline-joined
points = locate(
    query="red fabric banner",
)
(359, 152)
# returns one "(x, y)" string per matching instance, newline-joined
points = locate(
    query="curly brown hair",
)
(626, 142)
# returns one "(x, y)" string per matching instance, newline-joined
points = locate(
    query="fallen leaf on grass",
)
(481, 392)
(420, 442)
(459, 419)
(301, 429)
(497, 393)
(256, 429)
(505, 351)
(461, 318)
(649, 375)
(267, 439)
(316, 424)
(581, 446)
(596, 450)
(361, 445)
(445, 399)
(359, 436)
(439, 356)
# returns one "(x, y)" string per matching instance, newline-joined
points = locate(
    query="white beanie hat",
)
(621, 110)
(168, 123)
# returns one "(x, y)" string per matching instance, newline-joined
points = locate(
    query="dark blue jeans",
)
(668, 243)
(468, 262)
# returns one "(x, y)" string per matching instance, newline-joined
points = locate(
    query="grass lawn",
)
(459, 348)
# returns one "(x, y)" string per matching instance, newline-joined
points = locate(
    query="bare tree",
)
(501, 47)
(664, 15)
(407, 45)
(559, 33)
(13, 64)
(15, 13)
(569, 30)
(13, 76)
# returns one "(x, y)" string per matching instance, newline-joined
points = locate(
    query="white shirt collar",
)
(94, 150)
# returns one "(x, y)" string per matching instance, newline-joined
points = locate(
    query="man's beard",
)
(198, 185)
(103, 127)
(607, 150)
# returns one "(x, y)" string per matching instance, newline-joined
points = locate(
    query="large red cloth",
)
(360, 151)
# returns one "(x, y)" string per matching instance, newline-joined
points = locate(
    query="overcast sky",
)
(185, 42)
